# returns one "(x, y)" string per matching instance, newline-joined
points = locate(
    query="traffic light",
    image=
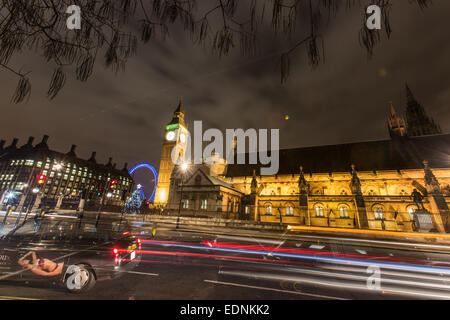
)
(41, 179)
(99, 192)
(113, 184)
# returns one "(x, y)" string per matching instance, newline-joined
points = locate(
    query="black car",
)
(76, 253)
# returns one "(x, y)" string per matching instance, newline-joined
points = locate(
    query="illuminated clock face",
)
(182, 138)
(170, 136)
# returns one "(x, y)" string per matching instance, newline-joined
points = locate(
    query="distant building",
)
(419, 123)
(355, 185)
(40, 177)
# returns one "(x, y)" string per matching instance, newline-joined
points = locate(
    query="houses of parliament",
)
(369, 185)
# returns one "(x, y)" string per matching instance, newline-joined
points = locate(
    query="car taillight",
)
(139, 244)
(116, 251)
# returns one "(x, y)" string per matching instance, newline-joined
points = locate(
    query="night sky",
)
(344, 100)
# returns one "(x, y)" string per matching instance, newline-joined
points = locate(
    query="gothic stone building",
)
(355, 185)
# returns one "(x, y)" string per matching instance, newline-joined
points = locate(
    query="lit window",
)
(269, 210)
(204, 204)
(29, 162)
(247, 210)
(186, 204)
(343, 211)
(378, 212)
(319, 211)
(289, 211)
(39, 164)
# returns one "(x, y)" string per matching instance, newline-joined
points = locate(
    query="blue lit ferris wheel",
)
(155, 175)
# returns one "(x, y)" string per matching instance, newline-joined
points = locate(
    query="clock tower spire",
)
(173, 149)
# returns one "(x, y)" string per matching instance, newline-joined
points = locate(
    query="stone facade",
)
(366, 185)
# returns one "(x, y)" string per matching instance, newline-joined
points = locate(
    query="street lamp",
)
(184, 168)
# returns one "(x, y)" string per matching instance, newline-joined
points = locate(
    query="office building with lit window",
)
(35, 176)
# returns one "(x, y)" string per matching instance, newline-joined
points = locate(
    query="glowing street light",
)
(35, 190)
(109, 194)
(184, 167)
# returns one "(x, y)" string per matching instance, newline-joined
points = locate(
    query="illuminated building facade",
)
(356, 185)
(39, 177)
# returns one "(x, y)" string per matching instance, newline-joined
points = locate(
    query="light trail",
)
(338, 260)
(304, 251)
(276, 242)
(386, 233)
(339, 285)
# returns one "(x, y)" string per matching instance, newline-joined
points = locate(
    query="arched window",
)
(319, 210)
(204, 204)
(378, 213)
(343, 192)
(343, 211)
(371, 192)
(247, 209)
(289, 211)
(269, 209)
(186, 204)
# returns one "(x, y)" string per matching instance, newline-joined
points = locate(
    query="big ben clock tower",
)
(175, 140)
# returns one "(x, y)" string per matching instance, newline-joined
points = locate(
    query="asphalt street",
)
(195, 265)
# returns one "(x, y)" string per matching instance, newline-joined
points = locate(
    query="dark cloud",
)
(345, 99)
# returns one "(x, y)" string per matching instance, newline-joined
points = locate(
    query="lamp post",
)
(184, 167)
